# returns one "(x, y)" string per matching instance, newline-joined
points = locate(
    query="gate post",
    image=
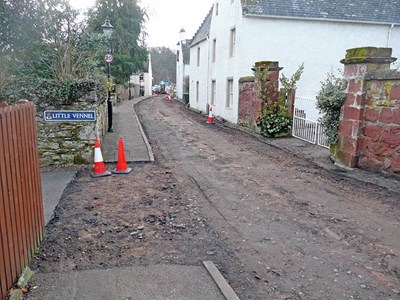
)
(357, 63)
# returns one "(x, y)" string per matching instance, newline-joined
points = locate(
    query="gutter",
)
(319, 19)
(198, 42)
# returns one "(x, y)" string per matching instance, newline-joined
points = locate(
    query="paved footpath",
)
(126, 125)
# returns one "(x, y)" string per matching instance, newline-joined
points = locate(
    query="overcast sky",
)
(166, 18)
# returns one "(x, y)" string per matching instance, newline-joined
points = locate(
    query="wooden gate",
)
(21, 204)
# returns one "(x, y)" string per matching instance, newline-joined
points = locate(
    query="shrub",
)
(329, 102)
(275, 124)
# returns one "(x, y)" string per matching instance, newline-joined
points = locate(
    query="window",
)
(229, 93)
(216, 9)
(214, 49)
(198, 56)
(177, 55)
(213, 91)
(197, 91)
(232, 43)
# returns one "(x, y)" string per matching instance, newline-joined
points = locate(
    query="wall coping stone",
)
(271, 65)
(368, 55)
(247, 79)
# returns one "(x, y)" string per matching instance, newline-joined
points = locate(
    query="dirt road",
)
(277, 226)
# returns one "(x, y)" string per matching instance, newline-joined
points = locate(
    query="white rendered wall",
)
(225, 67)
(149, 79)
(394, 43)
(320, 45)
(180, 67)
(199, 74)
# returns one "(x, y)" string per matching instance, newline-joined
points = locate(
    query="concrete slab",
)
(53, 185)
(155, 282)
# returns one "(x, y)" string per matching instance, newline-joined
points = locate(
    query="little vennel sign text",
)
(69, 116)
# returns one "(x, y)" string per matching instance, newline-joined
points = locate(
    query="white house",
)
(237, 33)
(182, 66)
(143, 81)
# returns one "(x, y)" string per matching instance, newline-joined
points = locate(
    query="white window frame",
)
(197, 91)
(229, 92)
(232, 42)
(213, 91)
(214, 50)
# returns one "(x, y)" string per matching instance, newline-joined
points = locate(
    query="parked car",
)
(156, 89)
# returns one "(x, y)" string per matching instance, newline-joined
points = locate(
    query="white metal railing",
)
(306, 125)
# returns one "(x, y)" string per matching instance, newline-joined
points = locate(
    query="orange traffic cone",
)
(121, 168)
(99, 167)
(210, 119)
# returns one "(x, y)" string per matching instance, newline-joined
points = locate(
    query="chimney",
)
(182, 35)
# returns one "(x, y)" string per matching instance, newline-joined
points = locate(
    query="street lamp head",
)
(107, 28)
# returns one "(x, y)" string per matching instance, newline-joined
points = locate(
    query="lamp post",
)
(107, 31)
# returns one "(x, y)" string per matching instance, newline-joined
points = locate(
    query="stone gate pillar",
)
(272, 82)
(357, 63)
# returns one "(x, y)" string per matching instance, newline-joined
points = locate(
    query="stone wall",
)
(68, 143)
(369, 130)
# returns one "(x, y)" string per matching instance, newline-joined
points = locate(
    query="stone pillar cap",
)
(271, 65)
(368, 55)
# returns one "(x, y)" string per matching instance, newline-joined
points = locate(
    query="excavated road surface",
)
(295, 231)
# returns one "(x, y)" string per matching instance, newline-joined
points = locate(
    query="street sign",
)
(69, 115)
(108, 57)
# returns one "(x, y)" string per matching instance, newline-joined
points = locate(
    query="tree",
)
(128, 49)
(56, 60)
(19, 24)
(164, 64)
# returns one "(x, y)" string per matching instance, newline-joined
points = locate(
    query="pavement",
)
(156, 281)
(127, 126)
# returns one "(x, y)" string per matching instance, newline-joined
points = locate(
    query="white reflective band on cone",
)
(97, 155)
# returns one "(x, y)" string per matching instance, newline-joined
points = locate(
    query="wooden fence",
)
(21, 204)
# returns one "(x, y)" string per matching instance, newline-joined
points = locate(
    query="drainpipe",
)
(389, 35)
(208, 74)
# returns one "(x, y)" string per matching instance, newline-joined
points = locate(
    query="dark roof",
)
(372, 11)
(186, 52)
(204, 29)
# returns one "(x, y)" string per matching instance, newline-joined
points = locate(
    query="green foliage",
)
(127, 43)
(275, 120)
(164, 64)
(20, 24)
(48, 54)
(329, 102)
(290, 84)
(62, 58)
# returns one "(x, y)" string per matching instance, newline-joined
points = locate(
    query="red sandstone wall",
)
(380, 146)
(369, 129)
